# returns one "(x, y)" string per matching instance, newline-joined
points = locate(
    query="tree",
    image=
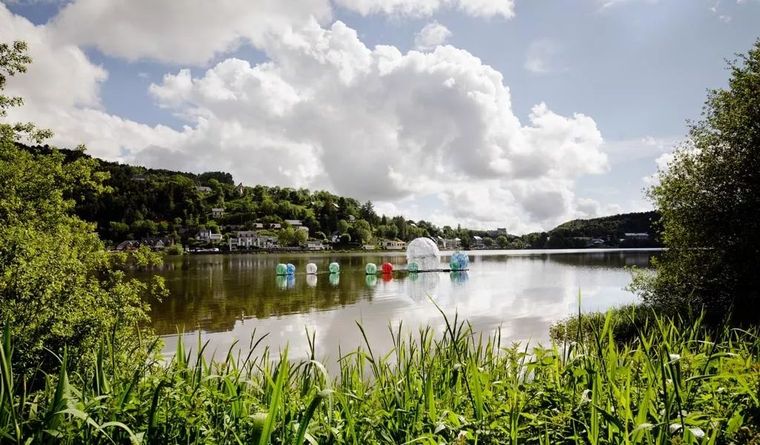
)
(709, 198)
(59, 286)
(363, 231)
(502, 241)
(343, 226)
(300, 237)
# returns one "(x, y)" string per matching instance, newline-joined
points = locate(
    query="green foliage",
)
(174, 249)
(709, 198)
(676, 383)
(625, 324)
(58, 285)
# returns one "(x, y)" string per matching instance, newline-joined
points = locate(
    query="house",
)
(138, 178)
(449, 243)
(351, 218)
(392, 244)
(156, 243)
(477, 242)
(267, 242)
(128, 245)
(258, 225)
(217, 212)
(637, 236)
(203, 189)
(369, 247)
(275, 226)
(208, 236)
(243, 239)
(314, 244)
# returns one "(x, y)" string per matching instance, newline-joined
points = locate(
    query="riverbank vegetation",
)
(674, 384)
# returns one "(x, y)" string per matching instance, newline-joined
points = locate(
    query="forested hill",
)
(152, 203)
(143, 202)
(613, 227)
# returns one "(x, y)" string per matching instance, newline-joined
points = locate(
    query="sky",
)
(486, 113)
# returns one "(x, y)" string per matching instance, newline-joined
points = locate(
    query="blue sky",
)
(300, 94)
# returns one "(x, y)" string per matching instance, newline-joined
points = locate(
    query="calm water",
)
(227, 297)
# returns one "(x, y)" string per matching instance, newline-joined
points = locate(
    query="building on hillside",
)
(477, 242)
(258, 225)
(208, 236)
(294, 222)
(498, 232)
(448, 243)
(203, 189)
(156, 243)
(637, 236)
(217, 212)
(243, 239)
(275, 226)
(126, 246)
(392, 244)
(314, 244)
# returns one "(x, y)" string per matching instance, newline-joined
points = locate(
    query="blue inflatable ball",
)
(291, 269)
(459, 261)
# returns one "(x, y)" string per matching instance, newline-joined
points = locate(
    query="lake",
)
(226, 298)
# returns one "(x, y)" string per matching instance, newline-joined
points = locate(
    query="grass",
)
(674, 383)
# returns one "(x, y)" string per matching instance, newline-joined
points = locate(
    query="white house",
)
(449, 243)
(392, 244)
(217, 212)
(208, 236)
(315, 244)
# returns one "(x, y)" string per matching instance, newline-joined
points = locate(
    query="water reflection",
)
(459, 278)
(421, 286)
(227, 297)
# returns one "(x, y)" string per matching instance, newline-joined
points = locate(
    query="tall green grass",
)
(674, 383)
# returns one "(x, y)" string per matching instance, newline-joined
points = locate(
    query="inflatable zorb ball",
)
(291, 269)
(370, 269)
(412, 267)
(311, 268)
(424, 252)
(281, 269)
(459, 261)
(334, 268)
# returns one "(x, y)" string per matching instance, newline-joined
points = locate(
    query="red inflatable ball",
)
(387, 268)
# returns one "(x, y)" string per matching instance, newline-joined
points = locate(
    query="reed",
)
(674, 383)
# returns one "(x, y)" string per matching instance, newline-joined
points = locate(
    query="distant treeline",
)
(149, 203)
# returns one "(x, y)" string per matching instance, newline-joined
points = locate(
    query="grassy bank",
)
(673, 383)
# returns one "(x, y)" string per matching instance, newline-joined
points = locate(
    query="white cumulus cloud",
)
(383, 125)
(432, 35)
(429, 134)
(424, 8)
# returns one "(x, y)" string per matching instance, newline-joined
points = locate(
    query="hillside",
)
(208, 209)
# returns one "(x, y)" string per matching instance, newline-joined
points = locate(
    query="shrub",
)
(709, 199)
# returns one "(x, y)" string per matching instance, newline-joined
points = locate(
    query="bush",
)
(625, 323)
(175, 249)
